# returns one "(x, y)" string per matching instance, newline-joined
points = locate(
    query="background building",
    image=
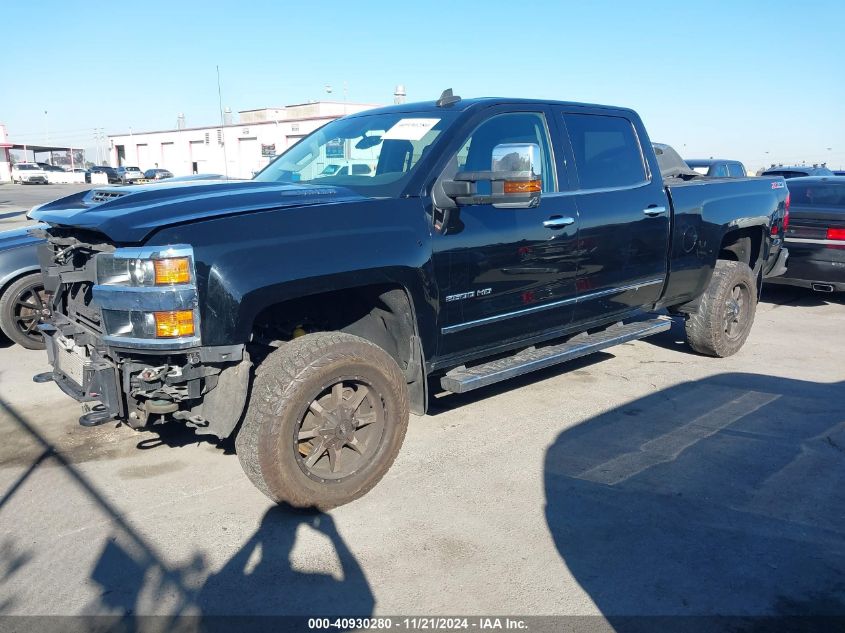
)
(12, 152)
(236, 149)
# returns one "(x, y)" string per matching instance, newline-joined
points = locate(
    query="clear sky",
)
(759, 81)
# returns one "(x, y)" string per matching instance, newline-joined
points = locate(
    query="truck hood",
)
(130, 214)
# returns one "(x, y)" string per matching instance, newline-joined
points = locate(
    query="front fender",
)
(246, 263)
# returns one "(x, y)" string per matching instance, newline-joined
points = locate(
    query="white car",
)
(28, 173)
(355, 169)
(129, 174)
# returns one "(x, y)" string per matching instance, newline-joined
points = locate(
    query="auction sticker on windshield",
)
(410, 129)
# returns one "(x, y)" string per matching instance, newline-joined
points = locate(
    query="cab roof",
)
(475, 103)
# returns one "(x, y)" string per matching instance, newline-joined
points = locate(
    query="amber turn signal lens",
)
(175, 270)
(523, 186)
(174, 323)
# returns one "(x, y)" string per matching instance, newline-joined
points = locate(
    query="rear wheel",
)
(21, 308)
(726, 312)
(327, 415)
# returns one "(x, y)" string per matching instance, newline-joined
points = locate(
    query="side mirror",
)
(515, 179)
(517, 157)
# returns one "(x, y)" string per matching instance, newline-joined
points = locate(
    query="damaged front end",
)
(123, 335)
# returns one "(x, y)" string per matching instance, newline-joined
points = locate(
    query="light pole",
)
(97, 144)
(46, 135)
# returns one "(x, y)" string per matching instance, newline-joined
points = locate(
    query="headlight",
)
(174, 323)
(116, 269)
(148, 297)
(175, 270)
(166, 324)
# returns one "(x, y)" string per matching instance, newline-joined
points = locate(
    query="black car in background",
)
(797, 171)
(158, 174)
(815, 235)
(110, 172)
(717, 167)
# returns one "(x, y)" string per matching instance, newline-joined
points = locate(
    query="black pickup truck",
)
(310, 310)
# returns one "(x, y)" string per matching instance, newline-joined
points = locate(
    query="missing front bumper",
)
(206, 389)
(84, 379)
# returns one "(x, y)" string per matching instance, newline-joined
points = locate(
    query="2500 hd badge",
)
(469, 295)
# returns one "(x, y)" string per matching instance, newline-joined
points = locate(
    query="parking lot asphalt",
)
(16, 200)
(642, 480)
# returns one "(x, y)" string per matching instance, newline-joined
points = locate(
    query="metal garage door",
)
(168, 159)
(198, 156)
(249, 157)
(144, 156)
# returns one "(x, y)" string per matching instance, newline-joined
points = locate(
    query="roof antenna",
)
(447, 98)
(222, 124)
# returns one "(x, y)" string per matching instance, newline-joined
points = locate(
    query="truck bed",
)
(704, 210)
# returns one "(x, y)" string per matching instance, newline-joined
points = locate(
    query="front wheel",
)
(21, 307)
(726, 312)
(326, 418)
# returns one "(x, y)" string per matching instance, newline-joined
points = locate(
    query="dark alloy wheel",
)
(327, 414)
(736, 312)
(726, 311)
(340, 432)
(22, 307)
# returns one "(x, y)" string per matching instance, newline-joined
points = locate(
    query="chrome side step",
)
(465, 379)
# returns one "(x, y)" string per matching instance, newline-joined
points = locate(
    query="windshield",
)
(26, 167)
(786, 173)
(374, 155)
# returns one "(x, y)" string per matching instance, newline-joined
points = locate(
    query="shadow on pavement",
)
(724, 496)
(799, 297)
(176, 435)
(257, 580)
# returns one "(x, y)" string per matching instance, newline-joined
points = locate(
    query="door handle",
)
(653, 212)
(558, 222)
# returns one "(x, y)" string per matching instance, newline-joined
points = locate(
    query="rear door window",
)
(607, 151)
(719, 170)
(736, 170)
